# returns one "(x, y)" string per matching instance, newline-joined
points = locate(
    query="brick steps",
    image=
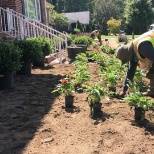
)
(54, 58)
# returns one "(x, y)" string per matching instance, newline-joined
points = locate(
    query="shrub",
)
(82, 40)
(9, 57)
(31, 49)
(46, 45)
(107, 49)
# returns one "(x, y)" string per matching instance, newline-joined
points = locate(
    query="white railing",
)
(21, 28)
(45, 27)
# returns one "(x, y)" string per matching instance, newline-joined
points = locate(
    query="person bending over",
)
(140, 50)
(96, 34)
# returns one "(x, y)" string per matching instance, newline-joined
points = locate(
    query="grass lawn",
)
(128, 36)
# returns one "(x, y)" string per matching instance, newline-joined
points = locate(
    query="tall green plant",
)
(31, 49)
(82, 40)
(46, 45)
(9, 57)
(139, 101)
(95, 93)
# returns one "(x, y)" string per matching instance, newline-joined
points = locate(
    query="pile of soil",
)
(35, 121)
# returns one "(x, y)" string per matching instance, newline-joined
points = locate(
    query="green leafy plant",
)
(97, 57)
(76, 30)
(82, 40)
(110, 77)
(107, 49)
(81, 74)
(134, 86)
(65, 87)
(46, 45)
(81, 57)
(95, 93)
(94, 44)
(9, 57)
(138, 100)
(31, 49)
(91, 55)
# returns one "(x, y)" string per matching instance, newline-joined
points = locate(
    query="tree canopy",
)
(136, 15)
(139, 14)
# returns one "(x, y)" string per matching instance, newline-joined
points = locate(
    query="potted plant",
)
(80, 74)
(31, 51)
(9, 62)
(95, 94)
(82, 41)
(66, 87)
(79, 45)
(91, 55)
(47, 48)
(110, 78)
(107, 49)
(141, 105)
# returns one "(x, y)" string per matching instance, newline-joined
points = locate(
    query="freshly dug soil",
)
(35, 121)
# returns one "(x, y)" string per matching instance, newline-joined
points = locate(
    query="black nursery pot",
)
(40, 63)
(25, 69)
(6, 81)
(73, 52)
(139, 113)
(69, 101)
(95, 109)
(113, 89)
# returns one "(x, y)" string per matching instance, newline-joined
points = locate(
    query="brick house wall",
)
(17, 6)
(12, 4)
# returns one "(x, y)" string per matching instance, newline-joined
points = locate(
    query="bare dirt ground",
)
(34, 121)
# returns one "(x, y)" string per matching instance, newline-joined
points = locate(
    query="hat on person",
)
(124, 53)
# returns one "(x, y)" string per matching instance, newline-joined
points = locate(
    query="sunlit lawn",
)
(128, 36)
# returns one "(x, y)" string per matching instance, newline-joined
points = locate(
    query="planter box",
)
(73, 51)
(84, 47)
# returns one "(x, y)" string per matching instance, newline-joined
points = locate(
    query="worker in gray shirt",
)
(96, 34)
(140, 50)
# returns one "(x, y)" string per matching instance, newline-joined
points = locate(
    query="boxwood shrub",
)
(9, 57)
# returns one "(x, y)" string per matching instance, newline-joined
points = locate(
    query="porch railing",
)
(45, 27)
(19, 27)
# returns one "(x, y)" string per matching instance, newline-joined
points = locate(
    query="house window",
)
(32, 9)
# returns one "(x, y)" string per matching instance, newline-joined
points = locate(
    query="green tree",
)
(73, 5)
(104, 10)
(113, 26)
(59, 20)
(139, 14)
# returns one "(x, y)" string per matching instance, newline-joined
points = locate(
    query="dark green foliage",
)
(9, 58)
(139, 14)
(46, 45)
(136, 99)
(79, 26)
(31, 50)
(107, 49)
(82, 40)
